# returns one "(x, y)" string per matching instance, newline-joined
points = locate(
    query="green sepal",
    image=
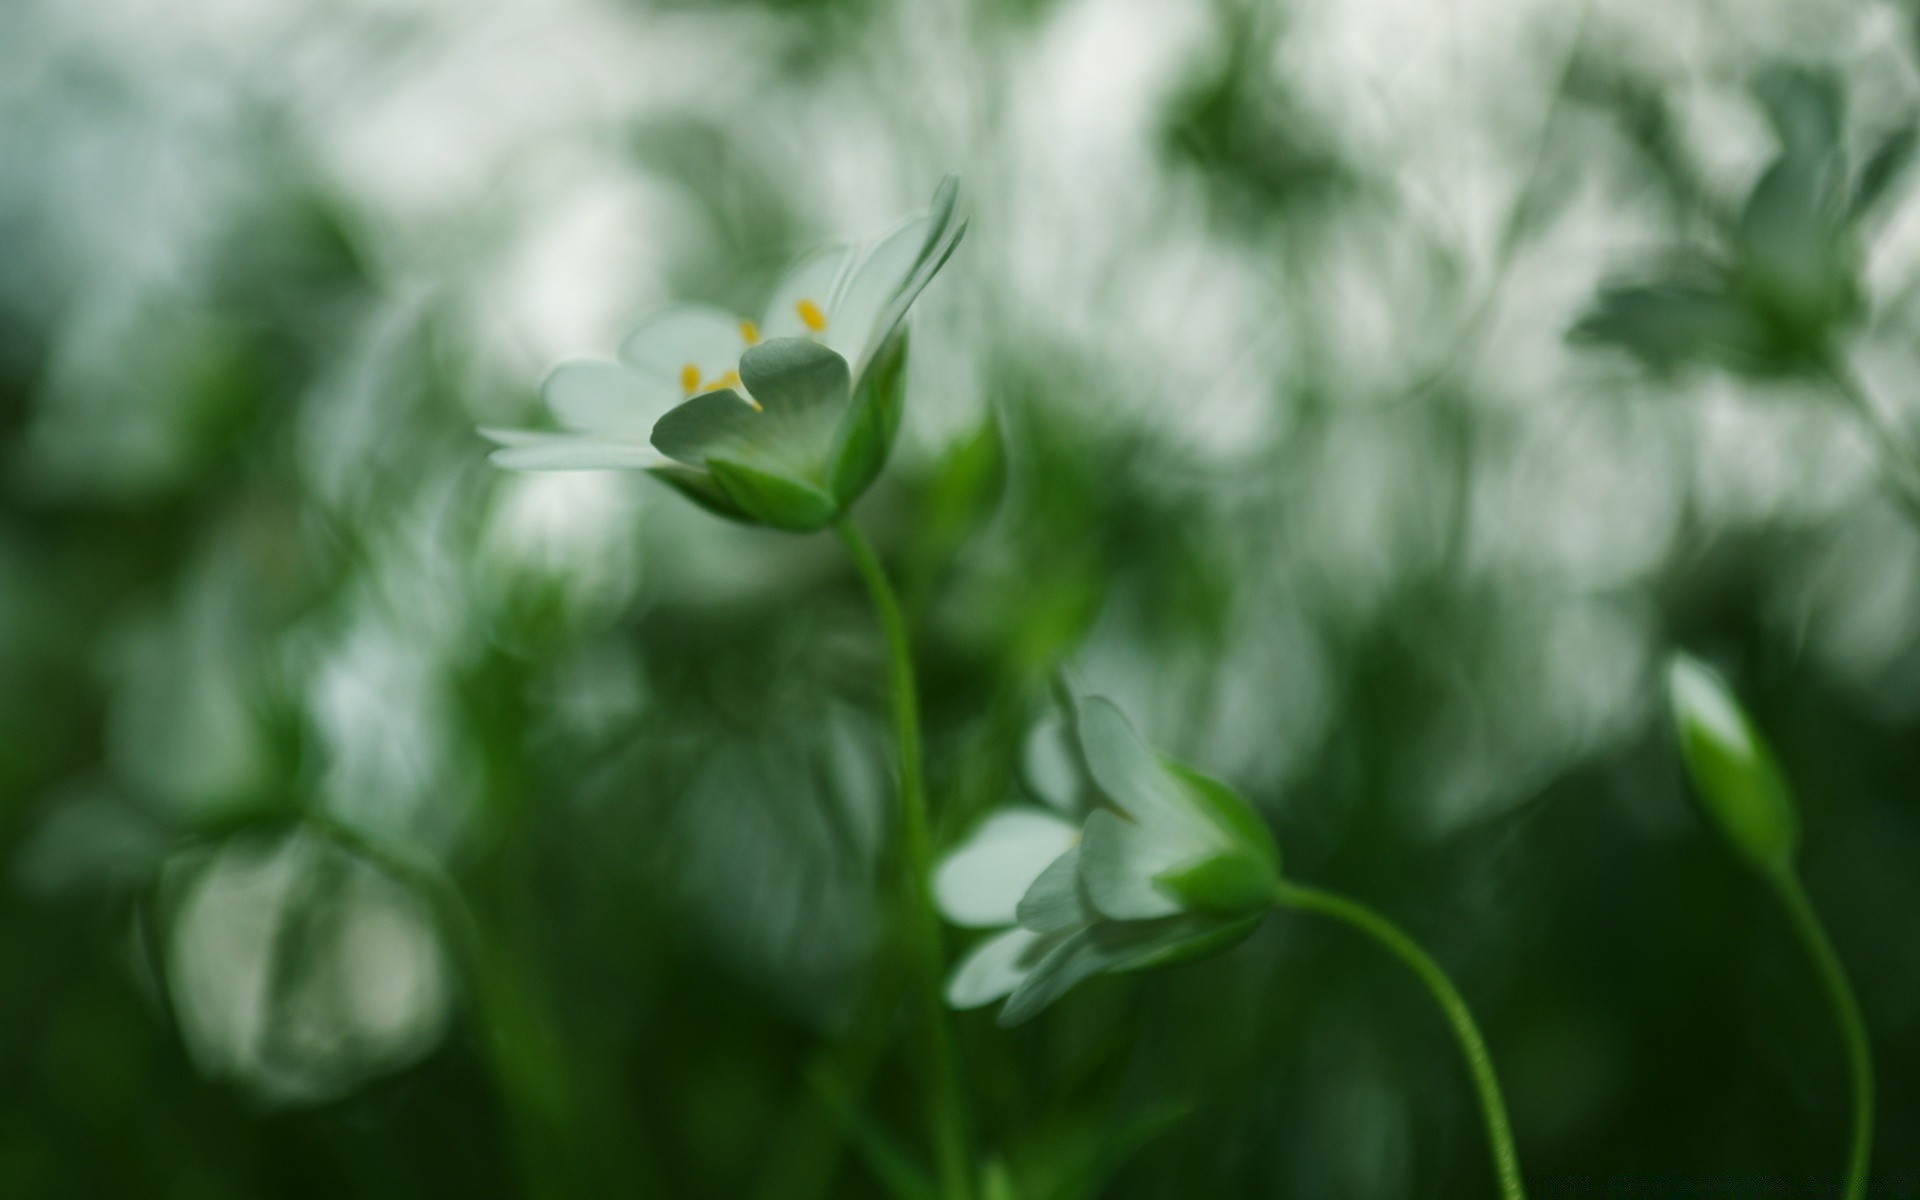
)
(700, 487)
(866, 434)
(1220, 885)
(772, 500)
(1207, 939)
(1232, 813)
(1740, 783)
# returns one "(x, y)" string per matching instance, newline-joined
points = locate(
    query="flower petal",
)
(1054, 903)
(605, 397)
(945, 235)
(1119, 860)
(980, 883)
(993, 969)
(688, 339)
(524, 450)
(794, 377)
(702, 425)
(1076, 957)
(1125, 768)
(813, 279)
(873, 281)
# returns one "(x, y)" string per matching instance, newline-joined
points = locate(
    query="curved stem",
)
(916, 844)
(1846, 1015)
(1493, 1106)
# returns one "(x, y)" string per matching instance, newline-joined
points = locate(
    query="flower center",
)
(690, 380)
(811, 316)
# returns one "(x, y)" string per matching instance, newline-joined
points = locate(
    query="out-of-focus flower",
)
(1168, 865)
(298, 969)
(1787, 280)
(781, 421)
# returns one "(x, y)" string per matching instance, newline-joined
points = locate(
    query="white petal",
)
(530, 451)
(814, 278)
(604, 397)
(707, 339)
(1118, 862)
(1127, 769)
(995, 968)
(870, 285)
(1054, 902)
(1073, 958)
(981, 882)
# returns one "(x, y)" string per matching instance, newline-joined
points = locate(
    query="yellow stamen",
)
(749, 332)
(690, 378)
(812, 316)
(730, 379)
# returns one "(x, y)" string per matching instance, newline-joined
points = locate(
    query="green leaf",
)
(1883, 168)
(866, 434)
(1797, 261)
(771, 499)
(1731, 767)
(1806, 106)
(1673, 323)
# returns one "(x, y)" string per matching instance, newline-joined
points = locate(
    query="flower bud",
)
(1731, 767)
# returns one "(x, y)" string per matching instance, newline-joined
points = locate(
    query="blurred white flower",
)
(300, 971)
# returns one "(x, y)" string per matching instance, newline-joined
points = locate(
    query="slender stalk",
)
(1899, 458)
(807, 1143)
(948, 1116)
(1846, 1015)
(515, 1041)
(1493, 1107)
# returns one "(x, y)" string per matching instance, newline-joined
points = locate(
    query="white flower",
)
(1171, 865)
(846, 299)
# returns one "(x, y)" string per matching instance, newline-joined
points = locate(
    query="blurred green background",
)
(1251, 394)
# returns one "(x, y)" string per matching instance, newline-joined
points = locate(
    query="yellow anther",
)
(749, 332)
(690, 378)
(812, 316)
(730, 379)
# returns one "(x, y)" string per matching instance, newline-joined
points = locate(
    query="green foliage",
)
(1247, 395)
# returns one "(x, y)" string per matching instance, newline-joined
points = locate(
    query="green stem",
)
(515, 1042)
(1846, 1015)
(916, 841)
(1899, 458)
(1493, 1107)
